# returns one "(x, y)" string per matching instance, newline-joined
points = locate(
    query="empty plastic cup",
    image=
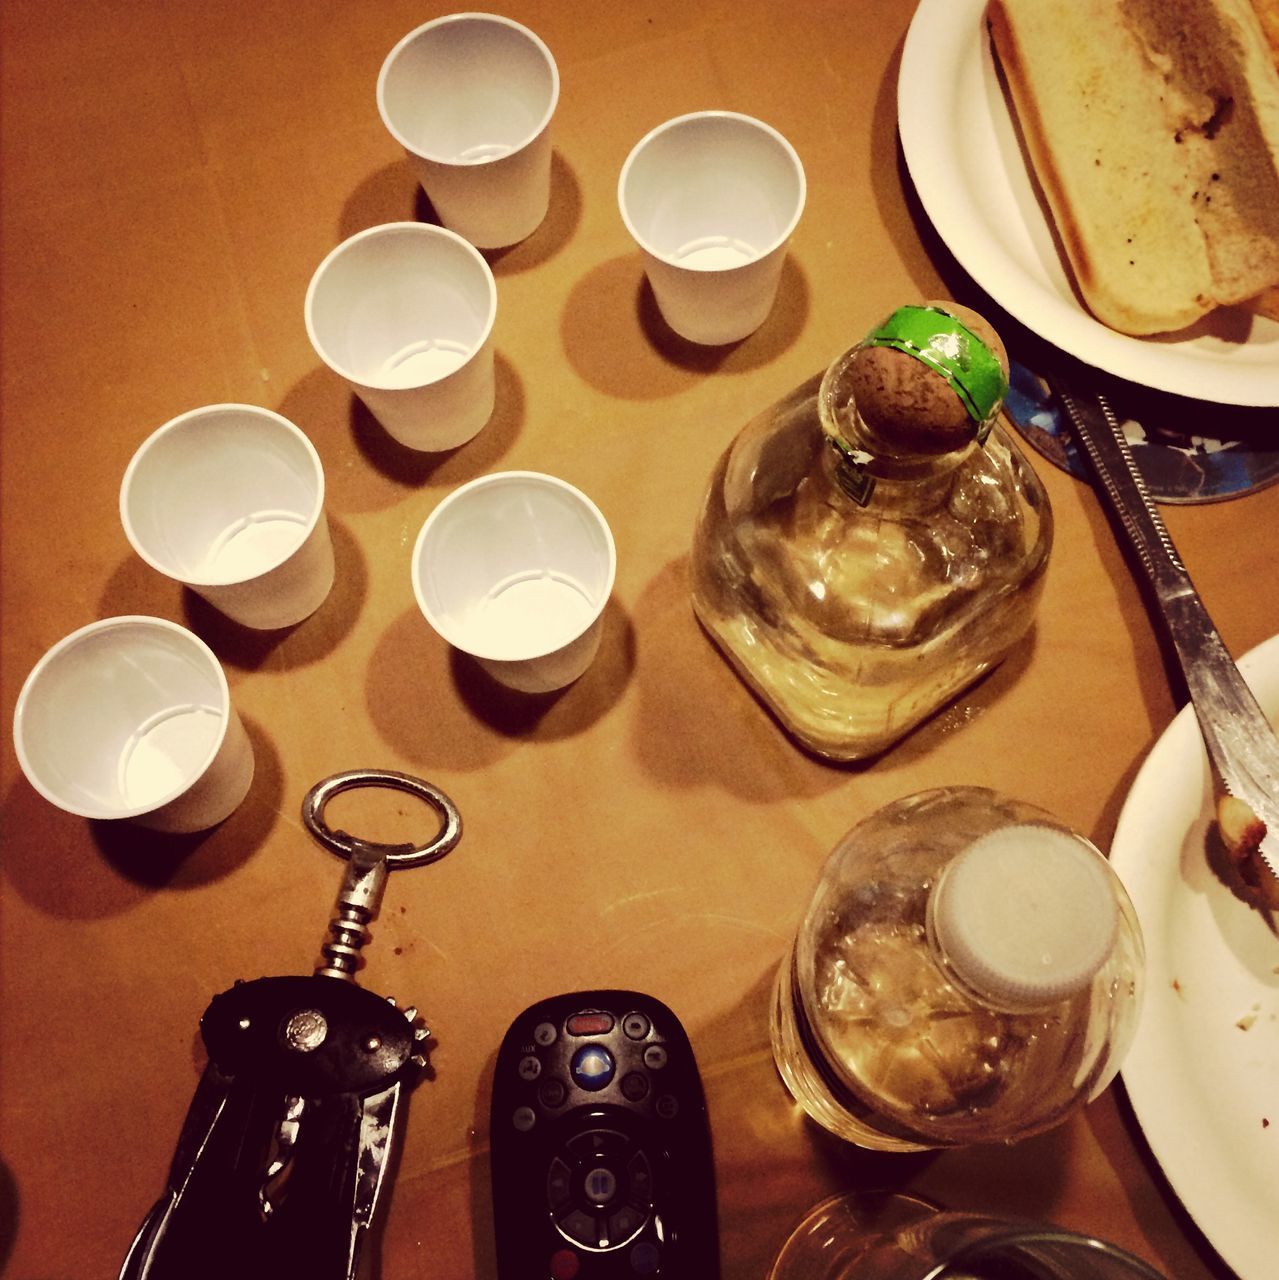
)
(404, 312)
(470, 98)
(229, 500)
(711, 199)
(131, 717)
(515, 569)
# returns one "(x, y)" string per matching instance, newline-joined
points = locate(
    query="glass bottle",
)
(875, 541)
(969, 970)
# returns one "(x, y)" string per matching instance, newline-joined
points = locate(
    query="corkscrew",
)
(288, 1140)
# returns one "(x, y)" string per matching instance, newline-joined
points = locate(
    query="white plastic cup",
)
(229, 500)
(131, 717)
(515, 569)
(470, 98)
(404, 312)
(711, 199)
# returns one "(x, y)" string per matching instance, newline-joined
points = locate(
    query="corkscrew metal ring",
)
(395, 855)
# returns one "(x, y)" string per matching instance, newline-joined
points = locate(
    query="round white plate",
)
(967, 165)
(1203, 1071)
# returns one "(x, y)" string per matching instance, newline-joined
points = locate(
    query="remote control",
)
(600, 1145)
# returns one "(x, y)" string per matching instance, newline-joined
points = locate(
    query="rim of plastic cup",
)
(675, 122)
(428, 231)
(70, 641)
(176, 424)
(486, 482)
(447, 19)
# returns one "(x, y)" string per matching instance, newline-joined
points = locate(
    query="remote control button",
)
(559, 1184)
(589, 1024)
(668, 1106)
(530, 1067)
(655, 1057)
(581, 1227)
(524, 1118)
(639, 1177)
(545, 1033)
(565, 1264)
(635, 1026)
(596, 1144)
(593, 1067)
(600, 1185)
(551, 1093)
(624, 1223)
(634, 1086)
(645, 1258)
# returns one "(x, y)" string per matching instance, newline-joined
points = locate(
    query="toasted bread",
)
(1242, 833)
(1266, 303)
(1153, 129)
(1267, 12)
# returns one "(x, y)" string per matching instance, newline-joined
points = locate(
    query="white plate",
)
(967, 166)
(1203, 1071)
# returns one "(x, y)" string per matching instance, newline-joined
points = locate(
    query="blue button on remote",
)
(593, 1067)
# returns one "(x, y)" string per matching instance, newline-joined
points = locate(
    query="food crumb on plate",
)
(1245, 1023)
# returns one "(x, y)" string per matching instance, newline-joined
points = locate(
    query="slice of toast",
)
(1152, 127)
(1266, 303)
(1267, 12)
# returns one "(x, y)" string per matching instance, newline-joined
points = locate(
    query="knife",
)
(1240, 741)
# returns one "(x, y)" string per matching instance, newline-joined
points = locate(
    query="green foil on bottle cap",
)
(953, 350)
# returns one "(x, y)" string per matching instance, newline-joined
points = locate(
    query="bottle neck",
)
(862, 456)
(868, 465)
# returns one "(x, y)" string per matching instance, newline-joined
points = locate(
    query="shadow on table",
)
(393, 194)
(366, 469)
(616, 340)
(134, 587)
(563, 215)
(48, 854)
(414, 674)
(157, 860)
(700, 725)
(10, 1215)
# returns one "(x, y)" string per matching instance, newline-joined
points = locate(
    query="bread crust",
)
(1152, 128)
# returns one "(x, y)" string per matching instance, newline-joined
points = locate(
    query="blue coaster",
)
(1177, 467)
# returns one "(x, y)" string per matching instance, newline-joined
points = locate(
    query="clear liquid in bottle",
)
(859, 569)
(968, 971)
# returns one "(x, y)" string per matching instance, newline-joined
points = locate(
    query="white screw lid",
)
(1026, 915)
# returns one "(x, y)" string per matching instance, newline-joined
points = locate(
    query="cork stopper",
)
(903, 399)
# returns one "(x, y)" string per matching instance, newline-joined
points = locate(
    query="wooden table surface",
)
(172, 174)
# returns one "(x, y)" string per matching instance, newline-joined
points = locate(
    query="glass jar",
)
(969, 970)
(882, 1236)
(875, 542)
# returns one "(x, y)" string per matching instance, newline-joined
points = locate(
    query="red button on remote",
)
(589, 1024)
(564, 1264)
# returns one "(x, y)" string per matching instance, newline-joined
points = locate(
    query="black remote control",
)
(600, 1145)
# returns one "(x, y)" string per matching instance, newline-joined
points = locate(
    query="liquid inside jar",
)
(853, 624)
(885, 1044)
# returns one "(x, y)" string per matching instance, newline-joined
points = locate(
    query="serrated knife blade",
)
(1240, 742)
